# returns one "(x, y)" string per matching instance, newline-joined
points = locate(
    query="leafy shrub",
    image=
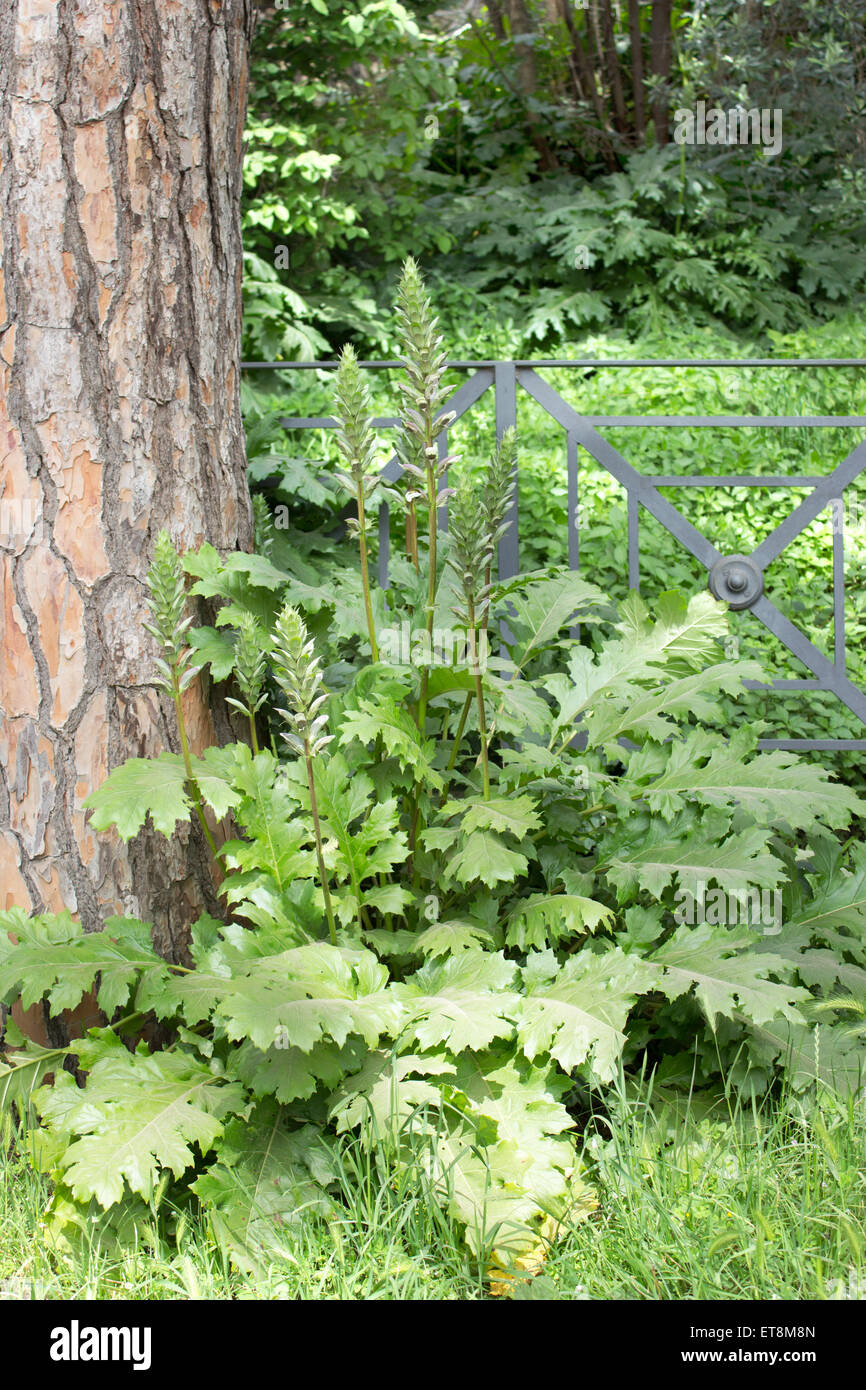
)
(454, 895)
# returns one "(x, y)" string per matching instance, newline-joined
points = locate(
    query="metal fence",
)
(736, 579)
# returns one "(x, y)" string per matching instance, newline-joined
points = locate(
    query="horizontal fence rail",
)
(736, 579)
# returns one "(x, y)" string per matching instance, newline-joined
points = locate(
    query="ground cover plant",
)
(480, 845)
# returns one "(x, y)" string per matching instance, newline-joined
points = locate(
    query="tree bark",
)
(637, 77)
(660, 56)
(121, 125)
(587, 78)
(595, 30)
(614, 75)
(494, 10)
(522, 26)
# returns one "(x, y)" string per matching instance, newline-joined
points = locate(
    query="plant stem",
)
(187, 762)
(479, 692)
(432, 529)
(254, 735)
(365, 570)
(412, 535)
(314, 807)
(485, 771)
(459, 734)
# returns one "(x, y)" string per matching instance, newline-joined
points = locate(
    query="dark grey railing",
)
(737, 579)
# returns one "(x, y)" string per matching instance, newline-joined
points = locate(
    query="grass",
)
(737, 1199)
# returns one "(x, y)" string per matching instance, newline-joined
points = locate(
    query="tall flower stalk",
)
(494, 505)
(421, 425)
(357, 445)
(250, 668)
(471, 556)
(298, 675)
(167, 607)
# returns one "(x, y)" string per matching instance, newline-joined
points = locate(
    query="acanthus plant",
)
(450, 895)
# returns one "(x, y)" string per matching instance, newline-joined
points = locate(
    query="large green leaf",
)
(683, 638)
(836, 913)
(510, 1161)
(215, 773)
(727, 974)
(279, 844)
(773, 787)
(215, 649)
(139, 788)
(642, 713)
(462, 1002)
(386, 720)
(681, 631)
(492, 1128)
(810, 1053)
(577, 1012)
(290, 1074)
(539, 609)
(651, 855)
(546, 919)
(269, 1179)
(452, 937)
(22, 1071)
(512, 815)
(56, 959)
(381, 1096)
(138, 1115)
(308, 994)
(363, 850)
(484, 856)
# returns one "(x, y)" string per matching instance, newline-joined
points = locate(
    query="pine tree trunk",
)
(121, 127)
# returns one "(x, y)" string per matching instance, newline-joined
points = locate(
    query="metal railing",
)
(737, 579)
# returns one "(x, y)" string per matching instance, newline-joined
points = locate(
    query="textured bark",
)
(494, 9)
(586, 84)
(637, 74)
(614, 75)
(522, 26)
(594, 28)
(660, 66)
(121, 127)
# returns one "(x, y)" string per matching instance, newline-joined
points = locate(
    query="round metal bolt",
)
(737, 581)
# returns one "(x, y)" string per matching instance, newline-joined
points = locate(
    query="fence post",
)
(505, 386)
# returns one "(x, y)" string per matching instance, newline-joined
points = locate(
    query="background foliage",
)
(493, 141)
